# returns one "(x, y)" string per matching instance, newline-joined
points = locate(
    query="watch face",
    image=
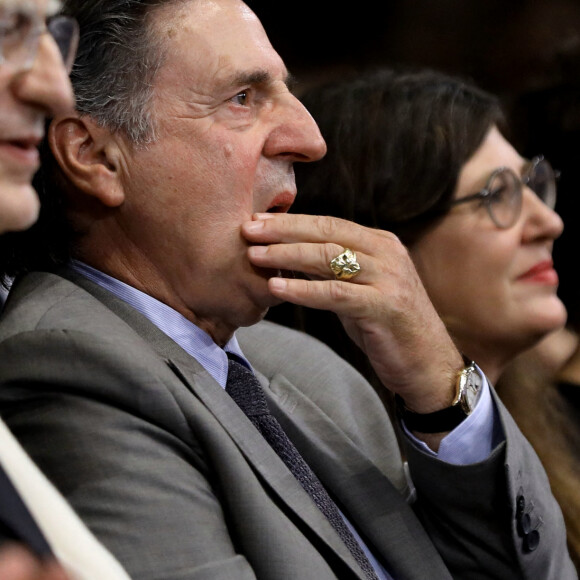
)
(471, 389)
(471, 392)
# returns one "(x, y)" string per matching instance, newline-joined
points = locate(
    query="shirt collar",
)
(185, 333)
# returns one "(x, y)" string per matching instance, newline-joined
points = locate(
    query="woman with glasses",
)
(424, 155)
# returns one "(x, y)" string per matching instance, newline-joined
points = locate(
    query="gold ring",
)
(345, 266)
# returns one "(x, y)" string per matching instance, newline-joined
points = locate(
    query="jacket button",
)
(524, 524)
(531, 541)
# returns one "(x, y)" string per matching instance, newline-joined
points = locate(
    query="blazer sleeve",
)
(500, 511)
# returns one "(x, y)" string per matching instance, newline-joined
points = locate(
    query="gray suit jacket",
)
(173, 478)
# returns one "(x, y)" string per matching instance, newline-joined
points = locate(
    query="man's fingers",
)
(294, 228)
(310, 259)
(333, 295)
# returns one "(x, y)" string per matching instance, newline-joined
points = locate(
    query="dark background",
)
(525, 51)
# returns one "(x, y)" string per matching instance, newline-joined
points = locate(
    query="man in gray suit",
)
(166, 232)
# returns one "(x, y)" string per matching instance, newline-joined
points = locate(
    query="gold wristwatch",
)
(469, 383)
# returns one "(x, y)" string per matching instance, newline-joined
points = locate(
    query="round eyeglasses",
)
(502, 195)
(20, 36)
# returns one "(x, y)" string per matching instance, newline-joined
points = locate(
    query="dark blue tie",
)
(247, 392)
(16, 522)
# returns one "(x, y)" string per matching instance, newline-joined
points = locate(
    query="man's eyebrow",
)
(259, 77)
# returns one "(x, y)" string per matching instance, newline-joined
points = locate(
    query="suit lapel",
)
(270, 469)
(373, 504)
(251, 444)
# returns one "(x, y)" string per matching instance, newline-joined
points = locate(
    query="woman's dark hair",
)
(397, 141)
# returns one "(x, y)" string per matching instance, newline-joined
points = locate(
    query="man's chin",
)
(265, 299)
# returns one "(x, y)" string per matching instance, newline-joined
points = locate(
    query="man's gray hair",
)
(118, 57)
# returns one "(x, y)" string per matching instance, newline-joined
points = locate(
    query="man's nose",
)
(46, 85)
(296, 134)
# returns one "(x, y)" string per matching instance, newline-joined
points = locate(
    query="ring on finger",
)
(345, 266)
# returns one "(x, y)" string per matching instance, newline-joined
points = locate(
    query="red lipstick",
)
(541, 273)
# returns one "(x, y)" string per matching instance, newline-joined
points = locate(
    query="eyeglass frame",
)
(32, 40)
(485, 194)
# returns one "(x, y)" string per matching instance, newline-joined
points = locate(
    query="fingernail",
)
(278, 284)
(256, 251)
(264, 216)
(254, 226)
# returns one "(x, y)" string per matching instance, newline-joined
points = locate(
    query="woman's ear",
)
(88, 156)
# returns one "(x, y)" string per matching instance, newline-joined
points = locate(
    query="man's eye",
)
(241, 98)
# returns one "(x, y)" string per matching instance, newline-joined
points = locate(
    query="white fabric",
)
(79, 552)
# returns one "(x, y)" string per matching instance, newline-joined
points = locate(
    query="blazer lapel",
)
(373, 504)
(251, 444)
(261, 456)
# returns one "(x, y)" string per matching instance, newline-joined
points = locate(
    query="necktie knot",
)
(245, 389)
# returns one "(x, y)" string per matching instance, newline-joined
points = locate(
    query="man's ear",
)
(89, 156)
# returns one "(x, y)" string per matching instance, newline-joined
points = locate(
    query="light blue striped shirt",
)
(470, 442)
